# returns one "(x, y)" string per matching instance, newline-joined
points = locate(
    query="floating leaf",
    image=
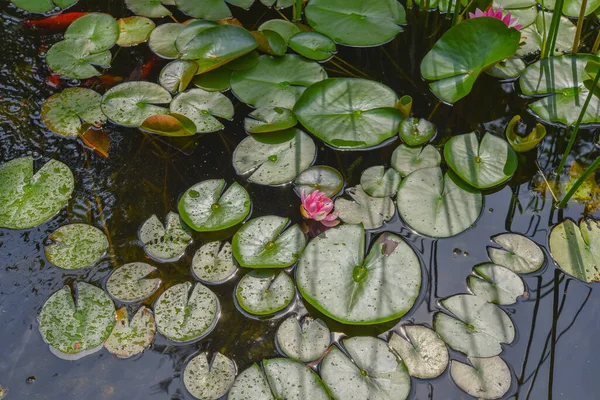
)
(270, 42)
(205, 9)
(292, 380)
(41, 6)
(319, 177)
(72, 59)
(128, 339)
(162, 40)
(313, 45)
(130, 283)
(285, 28)
(149, 8)
(571, 8)
(177, 75)
(576, 248)
(97, 140)
(211, 265)
(518, 253)
(202, 108)
(209, 381)
(415, 132)
(99, 32)
(269, 119)
(485, 378)
(525, 10)
(130, 103)
(250, 384)
(264, 292)
(423, 352)
(378, 182)
(134, 30)
(408, 159)
(522, 144)
(363, 209)
(496, 284)
(173, 125)
(510, 68)
(304, 340)
(216, 80)
(164, 244)
(66, 112)
(76, 246)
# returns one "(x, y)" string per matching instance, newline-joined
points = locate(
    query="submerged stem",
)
(586, 174)
(579, 27)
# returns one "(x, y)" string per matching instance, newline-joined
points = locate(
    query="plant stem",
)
(579, 27)
(550, 45)
(586, 174)
(297, 10)
(455, 16)
(596, 44)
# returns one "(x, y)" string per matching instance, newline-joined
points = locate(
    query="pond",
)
(556, 317)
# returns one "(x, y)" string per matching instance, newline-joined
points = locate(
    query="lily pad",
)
(130, 282)
(274, 163)
(162, 40)
(525, 10)
(216, 80)
(454, 68)
(264, 292)
(270, 119)
(28, 200)
(370, 372)
(415, 132)
(76, 246)
(319, 177)
(408, 159)
(482, 164)
(523, 144)
(134, 30)
(349, 113)
(510, 68)
(276, 81)
(378, 182)
(353, 289)
(203, 107)
(371, 212)
(572, 8)
(304, 340)
(149, 8)
(485, 378)
(250, 384)
(576, 248)
(479, 328)
(292, 380)
(205, 9)
(77, 328)
(177, 75)
(263, 243)
(423, 352)
(99, 31)
(70, 111)
(270, 42)
(164, 244)
(130, 103)
(182, 316)
(209, 381)
(72, 59)
(313, 45)
(496, 284)
(285, 28)
(172, 124)
(128, 339)
(211, 265)
(518, 253)
(41, 6)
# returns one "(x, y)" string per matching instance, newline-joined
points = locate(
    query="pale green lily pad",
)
(370, 371)
(99, 31)
(177, 75)
(205, 9)
(263, 243)
(149, 8)
(164, 244)
(77, 328)
(353, 289)
(216, 80)
(76, 246)
(304, 340)
(378, 182)
(291, 380)
(130, 283)
(408, 159)
(162, 40)
(371, 212)
(496, 284)
(510, 68)
(534, 35)
(211, 265)
(479, 328)
(349, 113)
(276, 162)
(415, 132)
(485, 378)
(576, 249)
(571, 8)
(269, 119)
(518, 253)
(264, 292)
(286, 29)
(71, 59)
(134, 30)
(422, 351)
(130, 103)
(313, 45)
(70, 111)
(28, 200)
(203, 107)
(319, 177)
(250, 384)
(209, 381)
(41, 6)
(183, 316)
(128, 339)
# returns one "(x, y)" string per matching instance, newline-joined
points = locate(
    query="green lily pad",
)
(149, 8)
(482, 164)
(164, 244)
(270, 119)
(134, 30)
(479, 328)
(437, 205)
(130, 103)
(128, 339)
(264, 292)
(203, 107)
(510, 68)
(172, 124)
(76, 246)
(353, 289)
(485, 378)
(371, 212)
(292, 380)
(130, 283)
(534, 34)
(183, 316)
(279, 4)
(41, 6)
(303, 341)
(454, 68)
(68, 112)
(270, 42)
(422, 351)
(377, 182)
(354, 23)
(319, 177)
(99, 31)
(77, 328)
(72, 59)
(276, 81)
(349, 113)
(496, 284)
(571, 8)
(250, 384)
(575, 248)
(370, 371)
(177, 75)
(523, 144)
(211, 265)
(525, 10)
(162, 40)
(209, 381)
(518, 253)
(408, 159)
(263, 243)
(205, 9)
(313, 45)
(415, 132)
(274, 163)
(216, 80)
(28, 200)
(285, 28)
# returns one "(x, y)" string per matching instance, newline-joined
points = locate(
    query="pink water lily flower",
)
(319, 207)
(508, 19)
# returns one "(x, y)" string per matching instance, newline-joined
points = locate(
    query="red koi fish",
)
(106, 81)
(54, 23)
(53, 80)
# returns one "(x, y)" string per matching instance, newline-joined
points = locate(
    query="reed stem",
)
(596, 44)
(550, 44)
(579, 27)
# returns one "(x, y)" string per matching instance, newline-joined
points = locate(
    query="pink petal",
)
(330, 224)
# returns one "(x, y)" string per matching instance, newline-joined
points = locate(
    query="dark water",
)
(146, 175)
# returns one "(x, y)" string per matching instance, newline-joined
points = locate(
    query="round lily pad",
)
(576, 248)
(263, 243)
(66, 112)
(164, 244)
(408, 159)
(128, 339)
(99, 31)
(183, 316)
(423, 352)
(378, 182)
(172, 124)
(130, 103)
(481, 164)
(72, 59)
(134, 30)
(313, 45)
(203, 107)
(162, 40)
(535, 34)
(205, 208)
(319, 177)
(28, 200)
(269, 119)
(251, 384)
(211, 265)
(510, 68)
(177, 75)
(149, 8)
(205, 9)
(371, 212)
(485, 378)
(292, 380)
(496, 284)
(216, 80)
(209, 381)
(76, 246)
(41, 6)
(353, 289)
(304, 340)
(77, 328)
(130, 283)
(518, 253)
(264, 292)
(190, 31)
(286, 29)
(270, 42)
(437, 205)
(349, 113)
(415, 132)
